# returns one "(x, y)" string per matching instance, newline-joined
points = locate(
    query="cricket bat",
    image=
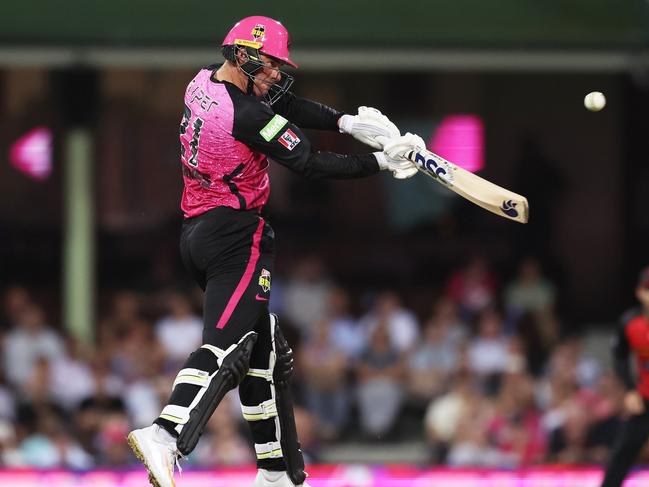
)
(483, 193)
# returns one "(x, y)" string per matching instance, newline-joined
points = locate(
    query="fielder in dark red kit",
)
(237, 115)
(632, 340)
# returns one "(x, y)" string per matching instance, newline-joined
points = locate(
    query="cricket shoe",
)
(267, 478)
(157, 450)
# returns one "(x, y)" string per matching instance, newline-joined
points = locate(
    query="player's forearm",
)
(329, 165)
(623, 371)
(621, 353)
(307, 113)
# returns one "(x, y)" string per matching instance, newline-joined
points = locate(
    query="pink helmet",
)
(263, 33)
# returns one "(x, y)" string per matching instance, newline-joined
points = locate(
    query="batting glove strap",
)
(400, 168)
(399, 147)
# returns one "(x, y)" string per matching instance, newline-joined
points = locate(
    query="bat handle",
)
(412, 155)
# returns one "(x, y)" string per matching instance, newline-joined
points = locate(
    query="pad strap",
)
(192, 376)
(265, 410)
(272, 449)
(219, 352)
(175, 414)
(266, 374)
(180, 414)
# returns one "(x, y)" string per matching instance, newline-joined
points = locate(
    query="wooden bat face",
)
(472, 187)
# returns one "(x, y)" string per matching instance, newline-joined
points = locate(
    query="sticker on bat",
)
(437, 168)
(508, 207)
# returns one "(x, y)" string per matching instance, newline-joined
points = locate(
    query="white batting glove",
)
(367, 126)
(395, 155)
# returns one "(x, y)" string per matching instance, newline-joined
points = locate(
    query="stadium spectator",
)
(470, 445)
(123, 315)
(127, 360)
(347, 335)
(400, 323)
(71, 379)
(178, 332)
(531, 293)
(44, 440)
(488, 352)
(7, 400)
(568, 441)
(324, 371)
(473, 287)
(515, 428)
(16, 299)
(30, 340)
(380, 390)
(306, 293)
(111, 439)
(444, 414)
(431, 361)
(9, 454)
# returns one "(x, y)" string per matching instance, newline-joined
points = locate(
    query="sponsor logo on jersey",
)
(273, 127)
(264, 280)
(509, 208)
(288, 139)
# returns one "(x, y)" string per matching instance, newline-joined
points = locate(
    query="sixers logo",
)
(258, 32)
(437, 168)
(264, 280)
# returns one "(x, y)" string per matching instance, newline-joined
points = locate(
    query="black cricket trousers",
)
(631, 437)
(230, 254)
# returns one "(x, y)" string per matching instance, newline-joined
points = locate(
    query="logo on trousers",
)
(264, 280)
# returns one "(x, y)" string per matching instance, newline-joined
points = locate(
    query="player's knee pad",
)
(278, 407)
(261, 381)
(282, 372)
(291, 447)
(233, 364)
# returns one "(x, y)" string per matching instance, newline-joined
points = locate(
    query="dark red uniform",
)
(631, 340)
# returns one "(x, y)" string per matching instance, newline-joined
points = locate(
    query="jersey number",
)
(196, 136)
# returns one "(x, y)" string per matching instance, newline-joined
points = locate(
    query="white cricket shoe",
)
(267, 478)
(157, 450)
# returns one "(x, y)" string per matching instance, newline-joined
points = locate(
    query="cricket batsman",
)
(631, 343)
(237, 116)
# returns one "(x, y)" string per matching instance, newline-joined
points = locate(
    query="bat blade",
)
(472, 187)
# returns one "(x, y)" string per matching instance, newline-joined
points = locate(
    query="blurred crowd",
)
(485, 375)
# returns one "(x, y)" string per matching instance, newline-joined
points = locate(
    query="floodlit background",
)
(429, 333)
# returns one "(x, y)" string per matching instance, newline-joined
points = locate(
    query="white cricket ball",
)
(595, 101)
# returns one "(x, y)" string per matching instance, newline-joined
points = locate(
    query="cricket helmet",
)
(264, 34)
